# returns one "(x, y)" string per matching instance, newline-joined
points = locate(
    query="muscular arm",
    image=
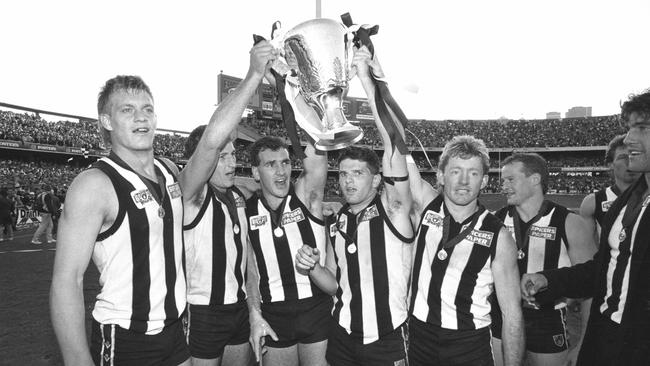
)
(397, 196)
(81, 221)
(588, 211)
(506, 283)
(224, 119)
(308, 261)
(310, 186)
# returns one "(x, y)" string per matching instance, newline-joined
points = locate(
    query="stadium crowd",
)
(592, 131)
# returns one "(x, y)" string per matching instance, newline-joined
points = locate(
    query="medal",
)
(235, 229)
(161, 212)
(622, 235)
(521, 254)
(352, 248)
(442, 254)
(278, 232)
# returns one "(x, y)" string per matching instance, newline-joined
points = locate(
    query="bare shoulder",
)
(84, 190)
(588, 205)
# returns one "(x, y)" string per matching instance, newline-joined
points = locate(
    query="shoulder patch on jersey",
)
(141, 198)
(558, 339)
(292, 216)
(369, 213)
(480, 237)
(240, 201)
(605, 205)
(432, 218)
(255, 222)
(333, 229)
(547, 233)
(174, 190)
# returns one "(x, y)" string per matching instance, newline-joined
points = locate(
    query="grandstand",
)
(34, 151)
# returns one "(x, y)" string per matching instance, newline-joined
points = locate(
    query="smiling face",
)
(637, 141)
(620, 167)
(462, 180)
(515, 184)
(131, 120)
(223, 176)
(273, 173)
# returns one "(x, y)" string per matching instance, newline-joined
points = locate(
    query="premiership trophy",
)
(315, 67)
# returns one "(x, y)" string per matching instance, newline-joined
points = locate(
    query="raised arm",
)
(398, 194)
(310, 186)
(421, 190)
(81, 221)
(588, 211)
(506, 283)
(224, 119)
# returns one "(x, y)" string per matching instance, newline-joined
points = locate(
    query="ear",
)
(376, 180)
(105, 121)
(439, 177)
(256, 174)
(484, 181)
(535, 178)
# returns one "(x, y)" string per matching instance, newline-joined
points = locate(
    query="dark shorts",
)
(110, 344)
(301, 321)
(211, 328)
(432, 345)
(546, 329)
(388, 350)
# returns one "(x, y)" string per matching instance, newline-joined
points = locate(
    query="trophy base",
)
(341, 140)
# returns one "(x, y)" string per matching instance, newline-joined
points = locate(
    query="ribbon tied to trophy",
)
(312, 78)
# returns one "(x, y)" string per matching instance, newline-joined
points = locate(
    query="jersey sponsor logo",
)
(174, 190)
(369, 213)
(333, 229)
(558, 339)
(480, 237)
(547, 233)
(293, 216)
(432, 219)
(256, 222)
(240, 202)
(141, 198)
(604, 206)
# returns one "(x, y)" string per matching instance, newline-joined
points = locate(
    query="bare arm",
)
(81, 221)
(398, 195)
(308, 261)
(421, 190)
(581, 249)
(506, 282)
(310, 186)
(259, 327)
(224, 119)
(587, 211)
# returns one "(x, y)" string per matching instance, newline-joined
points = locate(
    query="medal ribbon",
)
(522, 243)
(147, 182)
(446, 223)
(276, 217)
(228, 199)
(349, 238)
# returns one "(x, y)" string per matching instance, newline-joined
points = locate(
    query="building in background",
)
(553, 115)
(577, 112)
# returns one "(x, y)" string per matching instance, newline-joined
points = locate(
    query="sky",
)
(461, 59)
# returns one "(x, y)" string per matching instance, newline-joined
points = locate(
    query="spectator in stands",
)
(6, 219)
(44, 204)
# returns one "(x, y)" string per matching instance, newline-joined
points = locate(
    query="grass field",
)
(26, 334)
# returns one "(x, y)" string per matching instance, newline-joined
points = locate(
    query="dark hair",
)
(265, 143)
(193, 140)
(636, 103)
(465, 147)
(118, 83)
(533, 163)
(616, 143)
(362, 154)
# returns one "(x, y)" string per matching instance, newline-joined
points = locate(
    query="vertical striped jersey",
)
(542, 241)
(215, 250)
(604, 199)
(276, 238)
(451, 285)
(628, 231)
(373, 266)
(140, 257)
